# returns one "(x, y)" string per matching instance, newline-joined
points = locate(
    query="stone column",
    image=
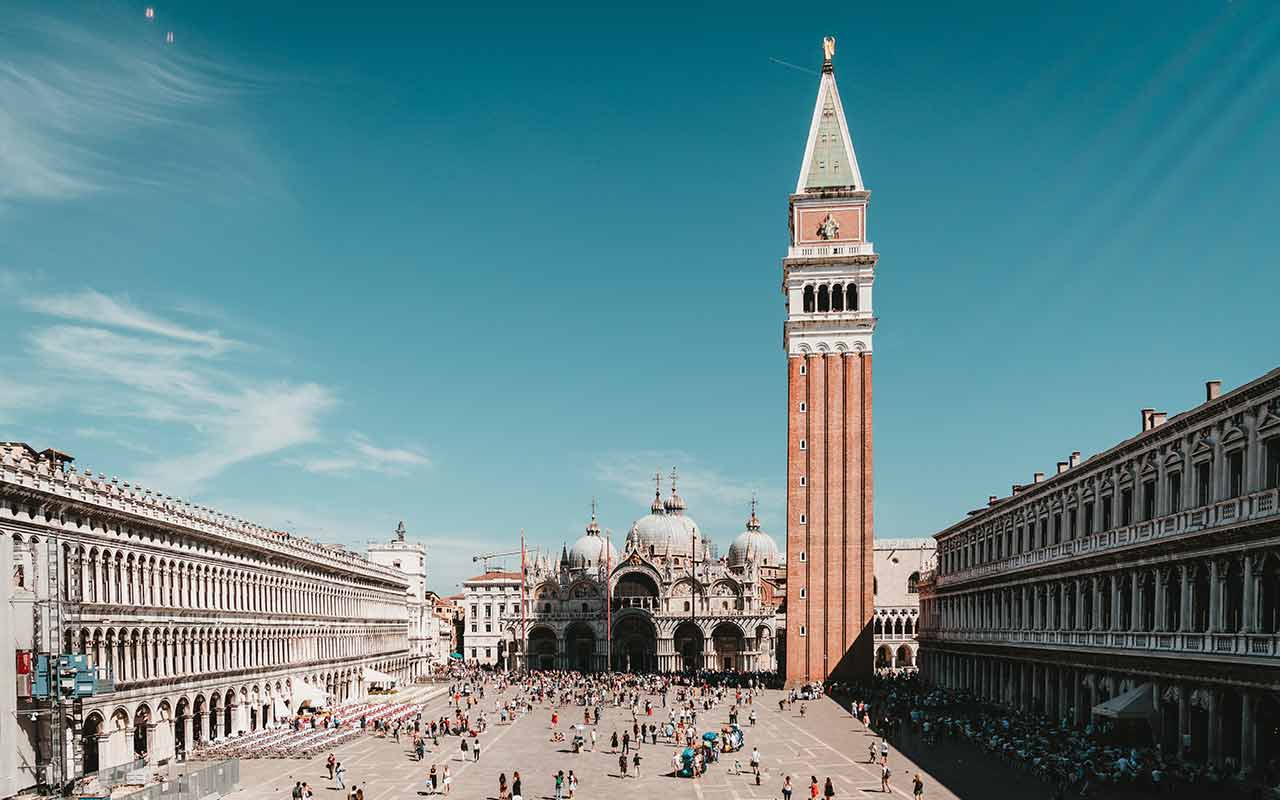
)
(1184, 576)
(1215, 597)
(1184, 718)
(1158, 578)
(1248, 733)
(1215, 726)
(1135, 596)
(1249, 616)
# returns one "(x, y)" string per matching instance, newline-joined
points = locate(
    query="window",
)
(546, 607)
(1106, 513)
(473, 652)
(808, 308)
(475, 610)
(803, 519)
(803, 369)
(802, 631)
(803, 593)
(1126, 506)
(1175, 492)
(1272, 474)
(1088, 519)
(486, 652)
(913, 583)
(488, 611)
(584, 608)
(488, 627)
(1149, 500)
(802, 557)
(686, 605)
(474, 627)
(804, 445)
(1204, 490)
(1057, 528)
(802, 481)
(1235, 473)
(803, 407)
(1072, 517)
(1044, 531)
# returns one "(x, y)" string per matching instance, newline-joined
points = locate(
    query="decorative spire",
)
(593, 527)
(753, 524)
(829, 162)
(656, 506)
(675, 504)
(400, 531)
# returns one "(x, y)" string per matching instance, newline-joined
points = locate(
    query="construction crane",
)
(485, 558)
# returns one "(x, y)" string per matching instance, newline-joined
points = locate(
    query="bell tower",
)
(827, 278)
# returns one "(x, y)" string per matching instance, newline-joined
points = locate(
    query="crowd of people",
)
(1070, 760)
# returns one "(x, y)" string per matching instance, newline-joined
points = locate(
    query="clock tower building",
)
(827, 278)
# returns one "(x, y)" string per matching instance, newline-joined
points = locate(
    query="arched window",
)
(851, 297)
(808, 300)
(913, 583)
(824, 299)
(879, 628)
(837, 298)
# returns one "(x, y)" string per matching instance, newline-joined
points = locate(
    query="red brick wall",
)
(836, 538)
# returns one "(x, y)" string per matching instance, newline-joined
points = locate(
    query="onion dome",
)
(593, 549)
(664, 529)
(754, 545)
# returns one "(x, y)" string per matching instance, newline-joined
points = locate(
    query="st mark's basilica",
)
(675, 605)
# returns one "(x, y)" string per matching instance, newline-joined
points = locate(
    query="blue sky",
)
(330, 269)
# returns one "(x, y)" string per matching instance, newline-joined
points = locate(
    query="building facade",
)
(1143, 582)
(199, 625)
(827, 278)
(899, 564)
(488, 599)
(673, 605)
(410, 558)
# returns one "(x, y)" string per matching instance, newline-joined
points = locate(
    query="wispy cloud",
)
(101, 103)
(94, 307)
(124, 362)
(713, 497)
(362, 455)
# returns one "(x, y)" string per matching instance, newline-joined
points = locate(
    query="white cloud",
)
(713, 497)
(94, 307)
(166, 374)
(362, 455)
(81, 95)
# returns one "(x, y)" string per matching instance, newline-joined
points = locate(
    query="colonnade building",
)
(899, 565)
(1142, 583)
(198, 625)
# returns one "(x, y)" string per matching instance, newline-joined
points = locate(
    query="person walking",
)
(340, 774)
(813, 787)
(622, 765)
(573, 784)
(871, 753)
(786, 788)
(559, 778)
(331, 762)
(635, 762)
(448, 781)
(593, 739)
(613, 743)
(828, 791)
(884, 751)
(884, 777)
(755, 761)
(433, 778)
(515, 786)
(475, 751)
(297, 791)
(917, 786)
(502, 786)
(626, 742)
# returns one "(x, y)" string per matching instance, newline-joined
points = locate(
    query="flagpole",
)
(608, 602)
(524, 638)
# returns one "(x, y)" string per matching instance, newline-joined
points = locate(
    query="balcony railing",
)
(1235, 511)
(1251, 645)
(829, 250)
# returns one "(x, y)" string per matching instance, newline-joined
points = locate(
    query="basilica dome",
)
(665, 528)
(754, 545)
(592, 549)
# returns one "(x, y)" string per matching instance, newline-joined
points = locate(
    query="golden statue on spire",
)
(828, 48)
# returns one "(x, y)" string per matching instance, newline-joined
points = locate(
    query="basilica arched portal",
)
(635, 644)
(688, 645)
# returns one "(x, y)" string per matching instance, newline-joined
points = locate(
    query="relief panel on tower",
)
(818, 225)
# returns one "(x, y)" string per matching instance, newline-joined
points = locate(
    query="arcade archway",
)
(580, 647)
(635, 645)
(729, 647)
(688, 645)
(542, 649)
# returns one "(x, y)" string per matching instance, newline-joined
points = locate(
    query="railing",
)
(213, 780)
(827, 250)
(1218, 644)
(1227, 512)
